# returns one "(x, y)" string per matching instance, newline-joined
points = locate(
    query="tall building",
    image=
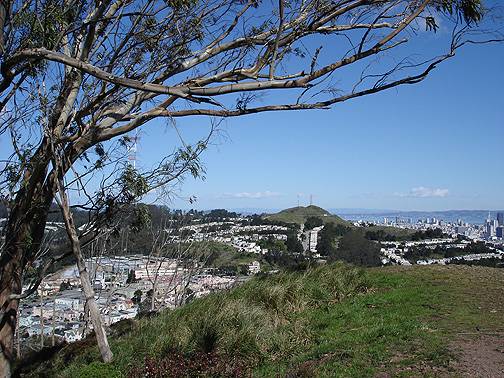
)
(499, 232)
(489, 230)
(490, 227)
(500, 219)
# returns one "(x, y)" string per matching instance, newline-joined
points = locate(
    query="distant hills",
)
(377, 215)
(299, 215)
(469, 216)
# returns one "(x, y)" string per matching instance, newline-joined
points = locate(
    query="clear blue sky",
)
(431, 146)
(436, 145)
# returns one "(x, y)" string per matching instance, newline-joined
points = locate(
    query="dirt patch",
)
(309, 368)
(479, 356)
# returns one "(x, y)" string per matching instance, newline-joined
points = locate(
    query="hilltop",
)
(333, 320)
(299, 215)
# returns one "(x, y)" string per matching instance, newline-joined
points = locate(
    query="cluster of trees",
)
(431, 233)
(380, 235)
(293, 244)
(383, 235)
(328, 236)
(219, 214)
(478, 247)
(423, 252)
(286, 260)
(273, 244)
(491, 262)
(312, 222)
(338, 242)
(355, 249)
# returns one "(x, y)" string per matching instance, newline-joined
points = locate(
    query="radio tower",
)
(311, 199)
(132, 157)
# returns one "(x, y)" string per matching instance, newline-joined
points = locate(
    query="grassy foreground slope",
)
(300, 214)
(332, 321)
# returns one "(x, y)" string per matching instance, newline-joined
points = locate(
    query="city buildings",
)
(500, 219)
(500, 232)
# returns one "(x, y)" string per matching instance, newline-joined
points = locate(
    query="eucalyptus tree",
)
(78, 78)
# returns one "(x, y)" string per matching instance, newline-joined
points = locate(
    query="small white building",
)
(71, 335)
(254, 267)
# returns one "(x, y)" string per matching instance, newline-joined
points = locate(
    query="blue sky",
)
(431, 146)
(436, 145)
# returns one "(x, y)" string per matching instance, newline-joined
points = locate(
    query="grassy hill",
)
(300, 214)
(330, 321)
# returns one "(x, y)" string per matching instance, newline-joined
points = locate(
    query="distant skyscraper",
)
(500, 219)
(499, 232)
(490, 228)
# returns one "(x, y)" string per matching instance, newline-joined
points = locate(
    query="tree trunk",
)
(8, 320)
(87, 287)
(94, 311)
(24, 233)
(11, 266)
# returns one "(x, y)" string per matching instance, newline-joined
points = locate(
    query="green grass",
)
(333, 321)
(356, 337)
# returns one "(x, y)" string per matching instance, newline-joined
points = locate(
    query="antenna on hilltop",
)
(311, 199)
(298, 200)
(132, 151)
